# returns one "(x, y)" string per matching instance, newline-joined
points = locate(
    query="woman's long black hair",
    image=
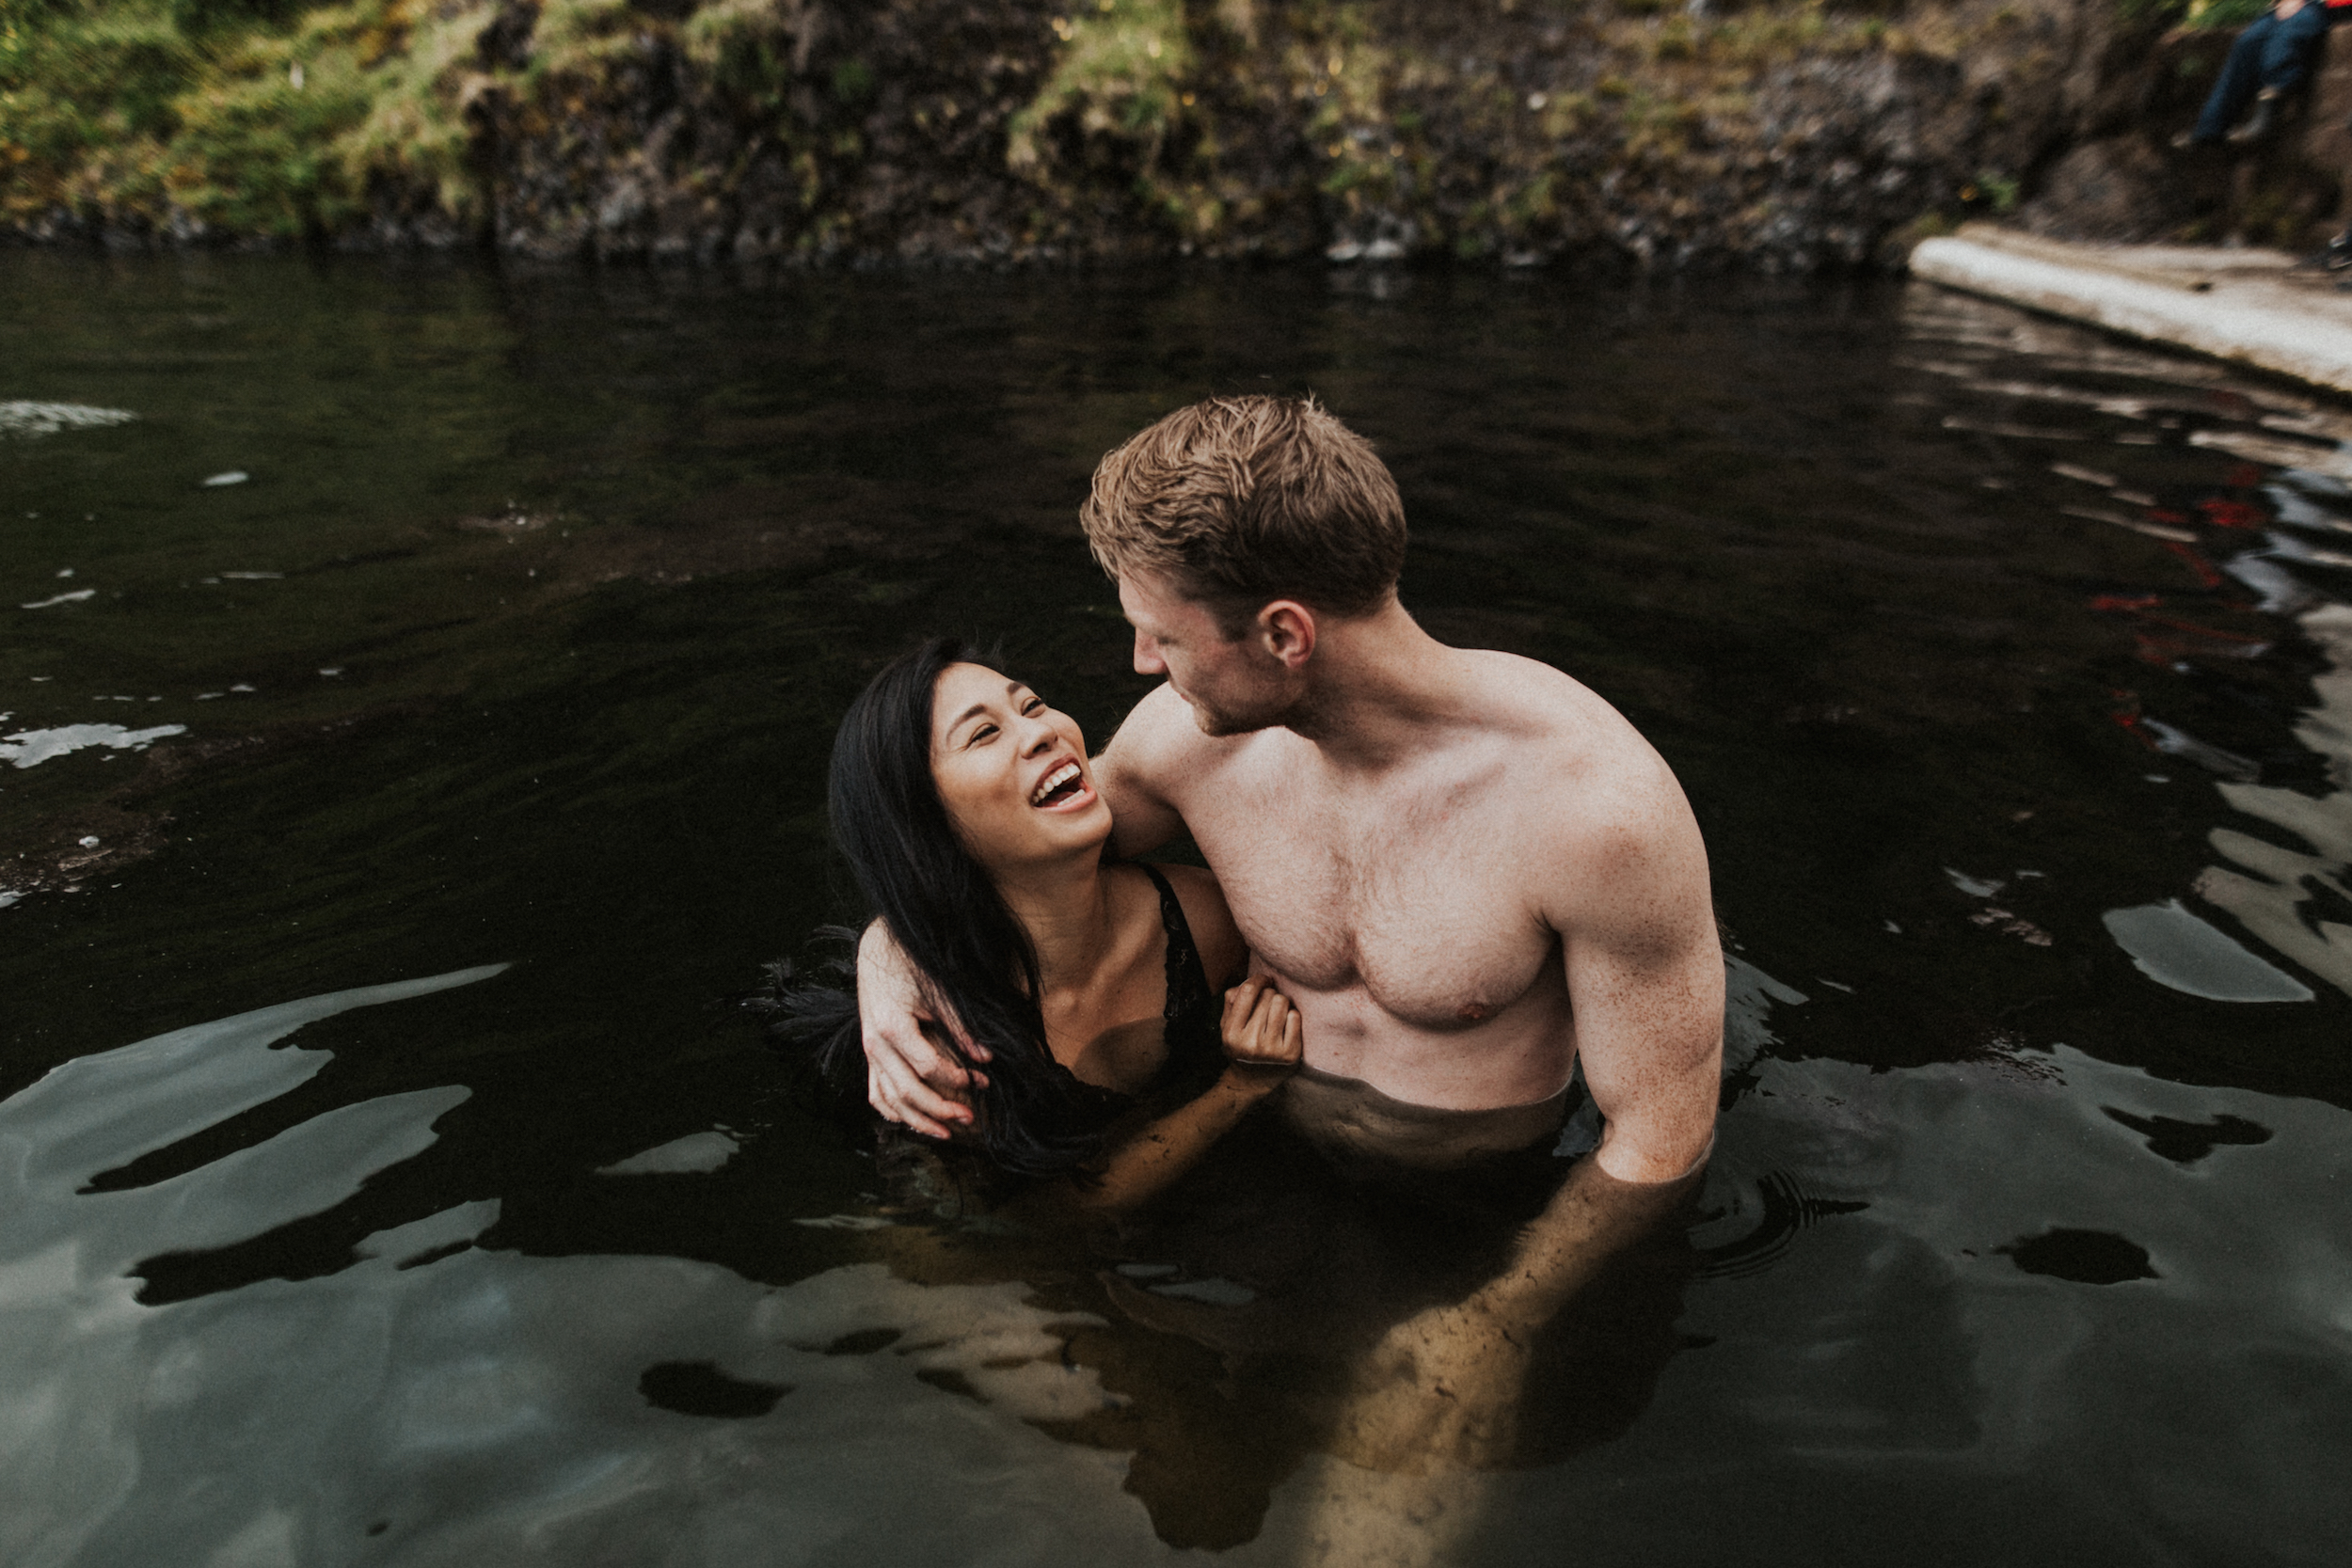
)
(954, 927)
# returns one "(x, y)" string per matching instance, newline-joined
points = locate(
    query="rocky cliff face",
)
(2119, 179)
(1789, 137)
(1786, 135)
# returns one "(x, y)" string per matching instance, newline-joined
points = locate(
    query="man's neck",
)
(1383, 684)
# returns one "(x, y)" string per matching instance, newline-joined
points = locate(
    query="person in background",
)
(2270, 59)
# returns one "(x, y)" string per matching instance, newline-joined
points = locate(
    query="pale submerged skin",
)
(1466, 870)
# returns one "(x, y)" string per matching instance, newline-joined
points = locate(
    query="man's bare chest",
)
(1421, 907)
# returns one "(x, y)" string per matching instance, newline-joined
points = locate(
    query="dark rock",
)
(2119, 189)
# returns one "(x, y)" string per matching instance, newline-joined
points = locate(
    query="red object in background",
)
(2246, 476)
(2223, 514)
(2206, 574)
(2127, 717)
(2130, 601)
(2171, 650)
(2196, 630)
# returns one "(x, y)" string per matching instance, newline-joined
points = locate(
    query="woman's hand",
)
(1260, 1030)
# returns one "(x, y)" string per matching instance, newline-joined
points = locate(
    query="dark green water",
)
(2017, 1249)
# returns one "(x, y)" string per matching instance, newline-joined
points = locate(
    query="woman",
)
(966, 808)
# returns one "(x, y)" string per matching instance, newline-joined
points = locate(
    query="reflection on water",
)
(441, 1398)
(2173, 947)
(433, 1403)
(2009, 669)
(2285, 892)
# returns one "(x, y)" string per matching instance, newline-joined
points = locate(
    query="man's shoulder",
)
(1160, 730)
(1556, 722)
(1159, 751)
(1595, 789)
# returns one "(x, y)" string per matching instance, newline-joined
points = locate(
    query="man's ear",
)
(1286, 630)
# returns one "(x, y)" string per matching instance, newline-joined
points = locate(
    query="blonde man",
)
(1467, 871)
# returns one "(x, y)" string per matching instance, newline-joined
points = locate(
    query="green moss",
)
(745, 48)
(1993, 188)
(853, 81)
(257, 154)
(1768, 34)
(574, 36)
(2202, 14)
(1120, 70)
(84, 97)
(142, 109)
(414, 129)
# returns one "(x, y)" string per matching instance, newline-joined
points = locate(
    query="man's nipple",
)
(1472, 1011)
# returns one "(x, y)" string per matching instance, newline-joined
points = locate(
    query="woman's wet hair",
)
(954, 927)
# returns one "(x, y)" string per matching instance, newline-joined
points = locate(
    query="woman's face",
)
(1011, 771)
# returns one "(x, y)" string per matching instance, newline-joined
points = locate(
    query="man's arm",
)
(1645, 984)
(1131, 770)
(909, 1077)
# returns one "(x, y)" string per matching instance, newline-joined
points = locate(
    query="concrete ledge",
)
(2247, 305)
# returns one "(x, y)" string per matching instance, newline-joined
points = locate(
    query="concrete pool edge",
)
(2248, 307)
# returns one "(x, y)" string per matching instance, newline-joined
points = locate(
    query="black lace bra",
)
(1189, 1019)
(1191, 1015)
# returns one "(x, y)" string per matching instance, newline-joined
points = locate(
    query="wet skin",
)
(1464, 868)
(1012, 775)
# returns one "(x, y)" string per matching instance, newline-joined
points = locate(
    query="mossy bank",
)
(1789, 134)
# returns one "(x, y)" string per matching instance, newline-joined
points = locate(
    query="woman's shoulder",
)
(1223, 954)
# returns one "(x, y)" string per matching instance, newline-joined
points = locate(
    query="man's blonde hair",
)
(1239, 501)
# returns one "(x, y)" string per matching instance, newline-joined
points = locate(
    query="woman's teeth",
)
(1066, 773)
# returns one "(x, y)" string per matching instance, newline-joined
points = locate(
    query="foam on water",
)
(27, 748)
(696, 1152)
(47, 419)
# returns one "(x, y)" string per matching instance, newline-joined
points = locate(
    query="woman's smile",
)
(1065, 787)
(1003, 760)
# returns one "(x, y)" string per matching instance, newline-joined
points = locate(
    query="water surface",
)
(388, 1182)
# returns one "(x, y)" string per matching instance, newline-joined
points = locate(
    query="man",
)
(1465, 870)
(2269, 60)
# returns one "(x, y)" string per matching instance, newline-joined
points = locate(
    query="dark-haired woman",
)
(966, 808)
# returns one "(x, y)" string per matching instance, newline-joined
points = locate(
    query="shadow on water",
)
(2005, 666)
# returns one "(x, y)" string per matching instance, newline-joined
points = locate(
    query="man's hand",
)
(908, 1077)
(1439, 1392)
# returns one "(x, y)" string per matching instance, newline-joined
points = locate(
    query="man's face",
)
(1233, 686)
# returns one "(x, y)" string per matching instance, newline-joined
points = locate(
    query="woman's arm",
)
(1223, 956)
(1262, 1049)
